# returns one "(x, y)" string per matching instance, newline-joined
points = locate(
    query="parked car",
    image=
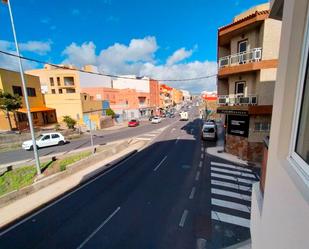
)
(156, 120)
(209, 131)
(45, 140)
(133, 123)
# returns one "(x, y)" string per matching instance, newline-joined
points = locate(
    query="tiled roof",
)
(255, 14)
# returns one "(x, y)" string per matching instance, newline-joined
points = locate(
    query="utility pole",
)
(35, 151)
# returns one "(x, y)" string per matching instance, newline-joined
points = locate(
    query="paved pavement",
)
(100, 137)
(172, 194)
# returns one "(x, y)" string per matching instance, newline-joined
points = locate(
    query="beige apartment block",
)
(280, 202)
(247, 59)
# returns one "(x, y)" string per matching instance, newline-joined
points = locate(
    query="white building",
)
(139, 84)
(186, 95)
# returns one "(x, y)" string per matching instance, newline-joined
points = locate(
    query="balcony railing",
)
(234, 99)
(252, 55)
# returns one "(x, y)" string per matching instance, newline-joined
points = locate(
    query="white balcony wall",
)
(93, 80)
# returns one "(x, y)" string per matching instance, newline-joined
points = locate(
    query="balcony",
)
(233, 100)
(252, 55)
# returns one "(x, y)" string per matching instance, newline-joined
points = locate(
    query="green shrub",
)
(70, 122)
(110, 112)
(57, 127)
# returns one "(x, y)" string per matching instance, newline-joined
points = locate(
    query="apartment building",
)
(280, 203)
(166, 94)
(63, 92)
(176, 96)
(10, 82)
(247, 66)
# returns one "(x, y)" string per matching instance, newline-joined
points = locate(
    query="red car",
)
(133, 123)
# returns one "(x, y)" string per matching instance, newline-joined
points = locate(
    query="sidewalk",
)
(33, 201)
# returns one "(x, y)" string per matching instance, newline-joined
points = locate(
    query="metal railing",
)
(234, 99)
(252, 55)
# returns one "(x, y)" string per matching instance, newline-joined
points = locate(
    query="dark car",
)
(133, 123)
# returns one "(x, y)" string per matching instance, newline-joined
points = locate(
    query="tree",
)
(9, 103)
(70, 122)
(110, 112)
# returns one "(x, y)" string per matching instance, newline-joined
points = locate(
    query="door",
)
(242, 48)
(239, 91)
(55, 139)
(45, 141)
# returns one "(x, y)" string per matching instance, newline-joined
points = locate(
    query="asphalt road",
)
(100, 137)
(161, 197)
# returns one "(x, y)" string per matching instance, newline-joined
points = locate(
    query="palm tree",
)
(9, 103)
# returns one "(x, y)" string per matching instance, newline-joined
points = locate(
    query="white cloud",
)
(138, 57)
(80, 55)
(178, 55)
(37, 47)
(10, 62)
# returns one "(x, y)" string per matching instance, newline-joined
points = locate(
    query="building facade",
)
(176, 96)
(247, 66)
(166, 99)
(280, 203)
(10, 82)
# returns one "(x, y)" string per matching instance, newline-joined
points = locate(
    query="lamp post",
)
(35, 151)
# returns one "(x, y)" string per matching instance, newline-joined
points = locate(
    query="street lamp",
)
(35, 151)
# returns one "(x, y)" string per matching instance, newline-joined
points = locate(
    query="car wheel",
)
(61, 142)
(31, 147)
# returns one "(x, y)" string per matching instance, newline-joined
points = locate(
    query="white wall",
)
(138, 85)
(93, 80)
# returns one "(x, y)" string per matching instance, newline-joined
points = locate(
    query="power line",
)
(101, 74)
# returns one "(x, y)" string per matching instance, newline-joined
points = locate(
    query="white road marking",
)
(230, 185)
(202, 156)
(143, 138)
(192, 193)
(231, 194)
(229, 204)
(234, 172)
(202, 149)
(155, 169)
(95, 231)
(149, 135)
(197, 177)
(177, 140)
(200, 164)
(230, 166)
(231, 219)
(183, 218)
(233, 178)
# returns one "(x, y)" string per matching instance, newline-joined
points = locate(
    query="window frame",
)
(298, 163)
(21, 94)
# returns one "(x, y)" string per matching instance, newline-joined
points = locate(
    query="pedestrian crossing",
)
(231, 187)
(149, 136)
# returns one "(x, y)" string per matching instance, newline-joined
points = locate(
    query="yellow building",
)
(62, 88)
(176, 96)
(10, 82)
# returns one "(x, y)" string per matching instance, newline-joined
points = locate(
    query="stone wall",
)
(239, 146)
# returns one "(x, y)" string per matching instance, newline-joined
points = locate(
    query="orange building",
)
(165, 96)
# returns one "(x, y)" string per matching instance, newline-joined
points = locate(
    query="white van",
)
(209, 131)
(184, 116)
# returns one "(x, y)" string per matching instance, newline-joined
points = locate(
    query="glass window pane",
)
(302, 142)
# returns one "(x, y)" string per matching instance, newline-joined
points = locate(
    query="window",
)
(47, 137)
(242, 46)
(60, 90)
(85, 97)
(22, 117)
(262, 126)
(31, 92)
(240, 88)
(58, 81)
(299, 150)
(55, 136)
(51, 81)
(17, 90)
(35, 115)
(70, 90)
(53, 91)
(68, 81)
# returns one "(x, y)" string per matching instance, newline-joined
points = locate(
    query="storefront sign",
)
(238, 125)
(232, 112)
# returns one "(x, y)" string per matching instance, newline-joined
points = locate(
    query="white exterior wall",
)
(138, 85)
(93, 80)
(280, 219)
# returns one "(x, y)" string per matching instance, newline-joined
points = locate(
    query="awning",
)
(36, 109)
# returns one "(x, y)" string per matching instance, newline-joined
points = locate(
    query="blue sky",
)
(169, 36)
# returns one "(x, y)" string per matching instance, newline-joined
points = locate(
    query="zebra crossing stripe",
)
(233, 178)
(229, 204)
(149, 135)
(230, 194)
(231, 219)
(230, 185)
(143, 138)
(234, 172)
(230, 166)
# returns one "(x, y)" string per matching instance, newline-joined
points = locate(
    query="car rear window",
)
(55, 136)
(208, 129)
(133, 120)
